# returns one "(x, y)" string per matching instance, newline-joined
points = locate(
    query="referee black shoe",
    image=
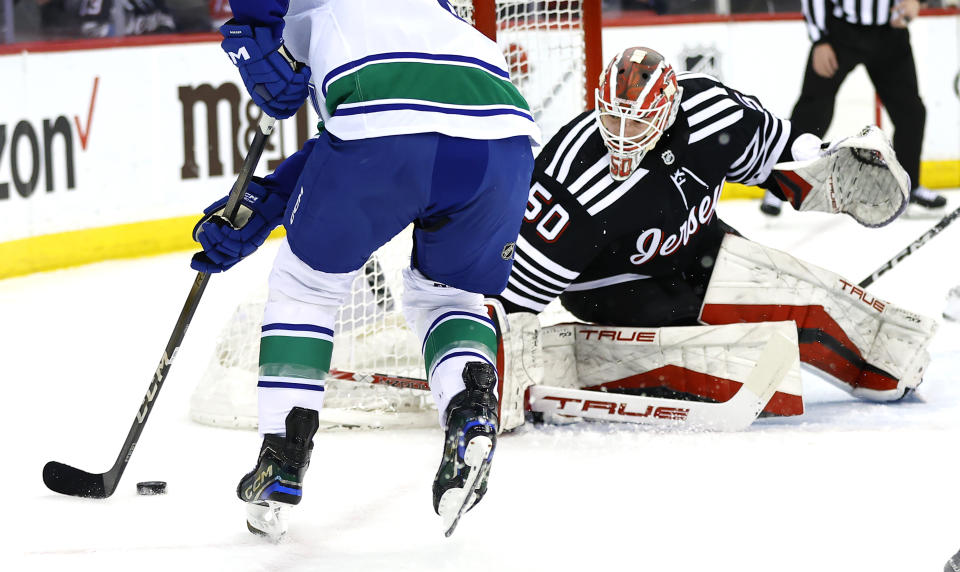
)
(924, 197)
(770, 205)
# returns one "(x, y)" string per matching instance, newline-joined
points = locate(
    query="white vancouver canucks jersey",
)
(390, 67)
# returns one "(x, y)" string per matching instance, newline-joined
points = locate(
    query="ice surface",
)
(847, 486)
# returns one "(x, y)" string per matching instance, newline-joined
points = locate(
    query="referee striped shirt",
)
(859, 12)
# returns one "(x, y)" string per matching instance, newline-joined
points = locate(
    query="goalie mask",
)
(636, 102)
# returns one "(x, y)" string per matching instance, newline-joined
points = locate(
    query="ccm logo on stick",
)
(617, 408)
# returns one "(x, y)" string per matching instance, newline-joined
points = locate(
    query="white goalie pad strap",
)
(711, 362)
(866, 345)
(521, 362)
(858, 175)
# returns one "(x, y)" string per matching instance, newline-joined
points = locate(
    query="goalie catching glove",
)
(858, 175)
(225, 243)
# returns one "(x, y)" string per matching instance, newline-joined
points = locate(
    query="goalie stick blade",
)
(779, 355)
(71, 481)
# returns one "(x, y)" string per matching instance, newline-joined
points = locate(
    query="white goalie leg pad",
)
(301, 309)
(865, 345)
(711, 362)
(520, 361)
(858, 175)
(454, 327)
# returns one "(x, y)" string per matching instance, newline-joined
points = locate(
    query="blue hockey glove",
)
(225, 244)
(276, 82)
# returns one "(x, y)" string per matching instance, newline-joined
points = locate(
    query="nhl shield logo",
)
(507, 252)
(702, 59)
(668, 157)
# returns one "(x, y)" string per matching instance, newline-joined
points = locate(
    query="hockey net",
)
(552, 49)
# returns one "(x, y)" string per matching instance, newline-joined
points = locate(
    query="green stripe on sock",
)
(459, 334)
(428, 82)
(291, 356)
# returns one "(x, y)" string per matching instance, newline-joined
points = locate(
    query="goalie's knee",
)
(865, 345)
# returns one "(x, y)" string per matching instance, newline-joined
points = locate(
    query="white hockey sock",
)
(455, 329)
(296, 342)
(294, 362)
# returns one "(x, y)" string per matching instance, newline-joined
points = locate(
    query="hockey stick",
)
(735, 414)
(396, 381)
(68, 480)
(910, 249)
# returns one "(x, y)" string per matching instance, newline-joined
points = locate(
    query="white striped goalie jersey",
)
(583, 230)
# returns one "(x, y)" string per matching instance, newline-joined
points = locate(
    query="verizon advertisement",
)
(96, 138)
(104, 137)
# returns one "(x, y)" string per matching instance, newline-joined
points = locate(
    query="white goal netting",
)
(545, 47)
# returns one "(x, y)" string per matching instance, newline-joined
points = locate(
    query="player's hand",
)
(824, 60)
(903, 12)
(276, 82)
(225, 243)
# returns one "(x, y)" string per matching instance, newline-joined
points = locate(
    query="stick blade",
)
(71, 481)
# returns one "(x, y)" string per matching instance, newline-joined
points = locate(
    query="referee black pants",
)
(888, 57)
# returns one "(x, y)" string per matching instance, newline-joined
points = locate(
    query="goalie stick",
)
(68, 480)
(911, 248)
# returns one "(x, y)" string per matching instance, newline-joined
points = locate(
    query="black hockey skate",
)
(276, 482)
(927, 199)
(770, 205)
(471, 437)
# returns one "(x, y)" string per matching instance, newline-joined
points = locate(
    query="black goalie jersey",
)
(585, 232)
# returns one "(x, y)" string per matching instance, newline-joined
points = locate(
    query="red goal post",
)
(490, 16)
(553, 51)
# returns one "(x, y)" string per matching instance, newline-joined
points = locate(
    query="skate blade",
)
(457, 501)
(267, 519)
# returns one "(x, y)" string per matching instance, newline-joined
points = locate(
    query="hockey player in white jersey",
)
(421, 125)
(621, 225)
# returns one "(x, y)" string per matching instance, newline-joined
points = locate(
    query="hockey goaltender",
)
(621, 225)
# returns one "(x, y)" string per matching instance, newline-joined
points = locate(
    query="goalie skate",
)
(468, 449)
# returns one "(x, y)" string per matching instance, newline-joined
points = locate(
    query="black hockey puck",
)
(152, 488)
